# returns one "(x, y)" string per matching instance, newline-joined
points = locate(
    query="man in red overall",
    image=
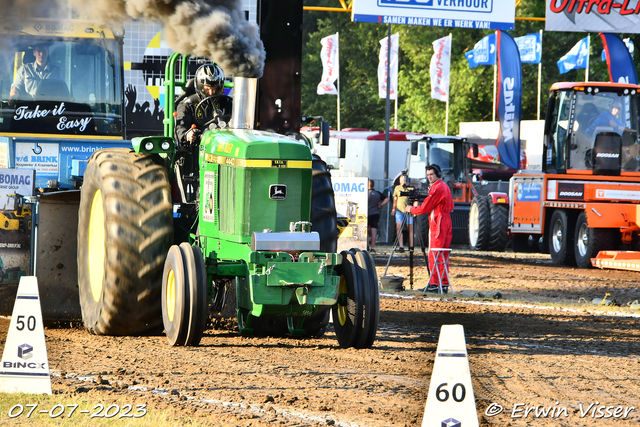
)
(439, 204)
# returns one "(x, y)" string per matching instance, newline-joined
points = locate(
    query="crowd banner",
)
(509, 100)
(530, 48)
(330, 65)
(469, 14)
(605, 16)
(577, 57)
(440, 68)
(393, 70)
(483, 53)
(619, 60)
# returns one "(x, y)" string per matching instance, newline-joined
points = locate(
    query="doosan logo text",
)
(608, 155)
(571, 193)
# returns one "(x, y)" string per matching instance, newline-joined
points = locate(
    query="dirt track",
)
(519, 355)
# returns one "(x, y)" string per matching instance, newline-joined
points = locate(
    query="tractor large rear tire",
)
(479, 223)
(324, 219)
(124, 233)
(499, 237)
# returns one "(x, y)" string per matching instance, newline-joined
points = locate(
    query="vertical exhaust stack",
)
(244, 103)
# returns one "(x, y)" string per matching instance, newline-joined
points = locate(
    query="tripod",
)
(439, 259)
(395, 245)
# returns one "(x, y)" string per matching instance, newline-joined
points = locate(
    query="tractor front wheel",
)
(175, 297)
(124, 232)
(348, 310)
(370, 298)
(199, 309)
(184, 295)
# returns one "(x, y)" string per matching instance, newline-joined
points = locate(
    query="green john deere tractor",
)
(167, 234)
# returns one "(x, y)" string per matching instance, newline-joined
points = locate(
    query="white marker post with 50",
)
(25, 364)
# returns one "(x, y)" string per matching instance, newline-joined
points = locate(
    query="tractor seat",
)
(189, 89)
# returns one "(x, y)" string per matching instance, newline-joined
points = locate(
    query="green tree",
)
(471, 90)
(358, 78)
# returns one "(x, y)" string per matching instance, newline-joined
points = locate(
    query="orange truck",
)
(586, 198)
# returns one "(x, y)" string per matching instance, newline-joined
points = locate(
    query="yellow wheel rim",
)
(97, 250)
(342, 309)
(171, 295)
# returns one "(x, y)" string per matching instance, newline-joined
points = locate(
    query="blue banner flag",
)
(509, 102)
(577, 57)
(619, 61)
(483, 53)
(628, 42)
(530, 47)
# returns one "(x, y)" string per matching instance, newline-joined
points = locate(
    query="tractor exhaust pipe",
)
(244, 103)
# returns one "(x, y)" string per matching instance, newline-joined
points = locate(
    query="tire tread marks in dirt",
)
(138, 232)
(480, 213)
(499, 237)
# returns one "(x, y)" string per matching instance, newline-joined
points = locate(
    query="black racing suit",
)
(188, 153)
(186, 117)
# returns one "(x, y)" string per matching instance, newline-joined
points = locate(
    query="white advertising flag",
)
(382, 68)
(440, 66)
(330, 65)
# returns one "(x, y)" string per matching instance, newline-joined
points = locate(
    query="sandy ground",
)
(522, 353)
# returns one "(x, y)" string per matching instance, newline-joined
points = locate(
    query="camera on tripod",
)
(414, 195)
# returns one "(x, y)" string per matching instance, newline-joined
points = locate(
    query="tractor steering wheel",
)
(208, 105)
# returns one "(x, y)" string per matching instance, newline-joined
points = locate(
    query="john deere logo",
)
(277, 192)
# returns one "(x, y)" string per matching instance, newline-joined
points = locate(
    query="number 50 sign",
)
(25, 365)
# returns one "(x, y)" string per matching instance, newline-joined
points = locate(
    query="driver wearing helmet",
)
(209, 102)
